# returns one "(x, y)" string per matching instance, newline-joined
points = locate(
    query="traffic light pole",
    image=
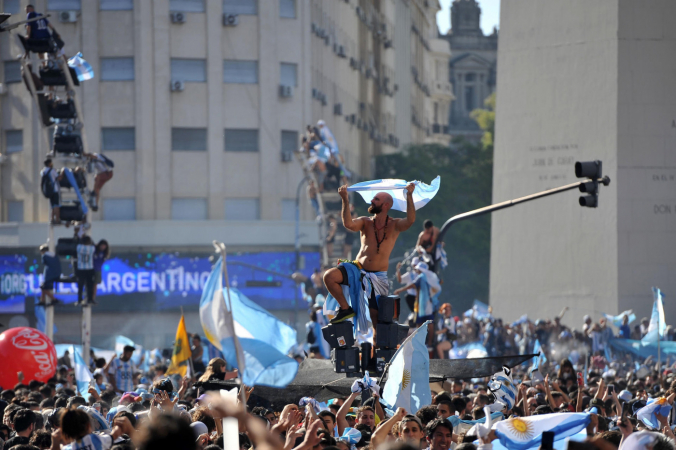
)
(509, 203)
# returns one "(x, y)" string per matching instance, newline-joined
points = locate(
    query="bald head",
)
(381, 203)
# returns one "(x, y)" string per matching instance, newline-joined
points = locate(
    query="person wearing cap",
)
(52, 273)
(121, 371)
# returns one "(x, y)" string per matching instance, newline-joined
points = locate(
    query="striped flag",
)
(83, 376)
(82, 68)
(422, 194)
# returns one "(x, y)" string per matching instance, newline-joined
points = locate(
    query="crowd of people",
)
(127, 408)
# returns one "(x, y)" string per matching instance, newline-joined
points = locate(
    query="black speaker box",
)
(383, 356)
(339, 335)
(346, 360)
(389, 335)
(388, 308)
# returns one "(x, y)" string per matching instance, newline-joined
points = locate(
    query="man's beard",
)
(373, 209)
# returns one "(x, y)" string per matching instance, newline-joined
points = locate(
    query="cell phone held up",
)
(580, 379)
(547, 440)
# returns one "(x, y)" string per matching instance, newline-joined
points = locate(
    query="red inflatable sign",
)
(26, 350)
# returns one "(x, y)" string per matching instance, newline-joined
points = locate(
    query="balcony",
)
(442, 90)
(440, 135)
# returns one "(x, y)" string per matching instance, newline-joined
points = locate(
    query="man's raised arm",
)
(405, 224)
(348, 223)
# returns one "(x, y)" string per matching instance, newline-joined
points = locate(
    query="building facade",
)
(472, 68)
(585, 81)
(201, 104)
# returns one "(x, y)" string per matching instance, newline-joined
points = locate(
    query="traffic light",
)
(593, 171)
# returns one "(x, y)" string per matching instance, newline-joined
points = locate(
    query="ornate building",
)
(472, 67)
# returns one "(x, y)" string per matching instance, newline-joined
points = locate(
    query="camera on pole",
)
(593, 171)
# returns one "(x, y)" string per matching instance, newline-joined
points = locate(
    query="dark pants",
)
(85, 278)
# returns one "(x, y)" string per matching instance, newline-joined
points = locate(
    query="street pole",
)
(509, 203)
(297, 249)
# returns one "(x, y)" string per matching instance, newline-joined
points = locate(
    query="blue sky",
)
(490, 15)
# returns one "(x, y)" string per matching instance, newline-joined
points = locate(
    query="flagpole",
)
(220, 247)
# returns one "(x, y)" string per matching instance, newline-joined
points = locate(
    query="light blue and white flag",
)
(479, 311)
(540, 359)
(521, 433)
(82, 68)
(408, 379)
(352, 436)
(422, 194)
(617, 320)
(462, 426)
(648, 414)
(83, 376)
(657, 323)
(468, 351)
(264, 341)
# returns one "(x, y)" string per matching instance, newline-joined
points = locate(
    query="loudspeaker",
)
(66, 247)
(389, 335)
(388, 308)
(71, 143)
(365, 356)
(70, 213)
(346, 360)
(339, 335)
(383, 356)
(56, 77)
(60, 109)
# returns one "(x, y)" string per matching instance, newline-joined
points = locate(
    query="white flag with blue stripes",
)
(82, 68)
(520, 433)
(83, 376)
(264, 341)
(422, 194)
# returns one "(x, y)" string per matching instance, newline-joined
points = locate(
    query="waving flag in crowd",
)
(408, 379)
(520, 433)
(82, 68)
(617, 320)
(83, 376)
(648, 414)
(422, 194)
(657, 324)
(264, 341)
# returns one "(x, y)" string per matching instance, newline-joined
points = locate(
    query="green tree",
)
(466, 171)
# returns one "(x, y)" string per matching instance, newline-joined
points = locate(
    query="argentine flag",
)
(617, 320)
(82, 68)
(264, 341)
(422, 194)
(541, 358)
(657, 323)
(408, 379)
(648, 414)
(83, 376)
(521, 433)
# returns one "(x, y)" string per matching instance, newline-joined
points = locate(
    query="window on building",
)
(289, 142)
(119, 209)
(63, 5)
(288, 74)
(245, 72)
(118, 138)
(117, 69)
(469, 98)
(11, 6)
(15, 211)
(116, 5)
(189, 208)
(13, 141)
(287, 9)
(12, 72)
(242, 209)
(186, 5)
(246, 7)
(190, 139)
(190, 70)
(470, 77)
(289, 210)
(241, 140)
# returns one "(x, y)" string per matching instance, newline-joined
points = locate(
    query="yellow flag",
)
(182, 354)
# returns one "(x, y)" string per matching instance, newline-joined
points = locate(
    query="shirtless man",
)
(427, 239)
(378, 235)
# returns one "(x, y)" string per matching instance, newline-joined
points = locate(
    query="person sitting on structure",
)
(378, 235)
(52, 274)
(38, 29)
(104, 172)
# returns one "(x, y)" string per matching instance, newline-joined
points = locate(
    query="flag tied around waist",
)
(264, 341)
(408, 379)
(521, 433)
(422, 194)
